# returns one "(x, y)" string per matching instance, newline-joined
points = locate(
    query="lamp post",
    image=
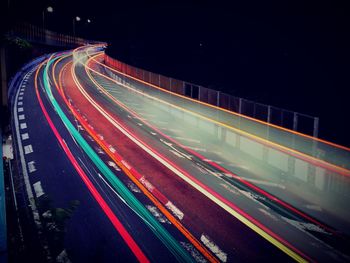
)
(49, 10)
(77, 18)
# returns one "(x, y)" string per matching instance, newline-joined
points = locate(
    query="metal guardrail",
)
(292, 120)
(40, 35)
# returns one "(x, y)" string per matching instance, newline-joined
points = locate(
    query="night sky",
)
(294, 55)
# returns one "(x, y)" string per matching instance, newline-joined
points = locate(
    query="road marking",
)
(20, 103)
(23, 125)
(25, 136)
(20, 109)
(177, 154)
(38, 189)
(176, 211)
(126, 164)
(24, 169)
(21, 117)
(157, 214)
(214, 248)
(20, 98)
(31, 166)
(28, 149)
(188, 139)
(111, 148)
(114, 165)
(21, 93)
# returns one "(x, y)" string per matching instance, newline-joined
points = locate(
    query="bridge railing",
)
(40, 35)
(292, 120)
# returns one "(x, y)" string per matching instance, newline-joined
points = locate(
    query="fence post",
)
(170, 84)
(295, 121)
(199, 93)
(268, 114)
(218, 99)
(240, 106)
(254, 110)
(316, 123)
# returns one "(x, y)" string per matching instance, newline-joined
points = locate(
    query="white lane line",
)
(38, 189)
(214, 248)
(187, 139)
(114, 165)
(28, 149)
(20, 98)
(176, 211)
(24, 168)
(21, 117)
(21, 93)
(157, 214)
(20, 109)
(25, 136)
(112, 149)
(126, 164)
(20, 103)
(23, 125)
(177, 154)
(31, 166)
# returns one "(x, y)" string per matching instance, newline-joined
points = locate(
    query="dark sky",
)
(290, 54)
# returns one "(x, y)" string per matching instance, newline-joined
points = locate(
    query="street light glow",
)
(49, 9)
(89, 21)
(78, 18)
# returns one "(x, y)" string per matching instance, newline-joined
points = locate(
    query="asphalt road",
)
(140, 182)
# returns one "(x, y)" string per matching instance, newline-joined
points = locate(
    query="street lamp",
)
(88, 20)
(49, 9)
(77, 18)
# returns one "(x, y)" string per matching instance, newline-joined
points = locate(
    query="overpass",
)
(170, 169)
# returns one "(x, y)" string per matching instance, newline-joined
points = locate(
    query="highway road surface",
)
(148, 175)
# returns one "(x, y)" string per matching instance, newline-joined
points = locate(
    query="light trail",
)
(164, 236)
(225, 110)
(107, 210)
(214, 196)
(292, 152)
(132, 173)
(217, 166)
